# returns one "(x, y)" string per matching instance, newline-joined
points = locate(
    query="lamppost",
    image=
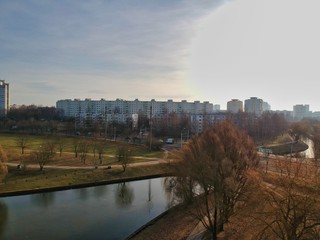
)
(181, 140)
(150, 127)
(105, 123)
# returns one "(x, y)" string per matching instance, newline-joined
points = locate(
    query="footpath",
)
(151, 161)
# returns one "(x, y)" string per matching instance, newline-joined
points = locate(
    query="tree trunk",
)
(214, 227)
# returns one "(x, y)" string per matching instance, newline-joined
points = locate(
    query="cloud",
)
(77, 48)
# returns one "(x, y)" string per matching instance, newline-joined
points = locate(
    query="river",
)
(103, 212)
(309, 153)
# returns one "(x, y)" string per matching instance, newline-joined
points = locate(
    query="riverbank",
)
(29, 181)
(175, 224)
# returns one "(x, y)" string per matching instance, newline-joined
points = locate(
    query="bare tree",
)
(60, 142)
(290, 209)
(124, 156)
(3, 166)
(76, 147)
(94, 147)
(101, 150)
(216, 161)
(44, 154)
(83, 150)
(22, 142)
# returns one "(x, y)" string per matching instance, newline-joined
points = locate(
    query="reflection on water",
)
(3, 217)
(149, 203)
(102, 212)
(100, 192)
(125, 195)
(168, 187)
(43, 199)
(83, 193)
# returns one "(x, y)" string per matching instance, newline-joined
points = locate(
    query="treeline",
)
(31, 119)
(33, 112)
(39, 119)
(265, 127)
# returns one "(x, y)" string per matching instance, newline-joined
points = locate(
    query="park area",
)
(74, 161)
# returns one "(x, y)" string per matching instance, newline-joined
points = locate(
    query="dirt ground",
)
(177, 224)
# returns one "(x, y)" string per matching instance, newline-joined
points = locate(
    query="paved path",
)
(154, 161)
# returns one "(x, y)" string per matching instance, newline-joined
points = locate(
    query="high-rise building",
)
(266, 107)
(301, 111)
(4, 98)
(235, 106)
(253, 105)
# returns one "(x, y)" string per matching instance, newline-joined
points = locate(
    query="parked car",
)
(170, 141)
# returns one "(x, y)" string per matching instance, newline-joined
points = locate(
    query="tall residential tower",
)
(235, 106)
(4, 98)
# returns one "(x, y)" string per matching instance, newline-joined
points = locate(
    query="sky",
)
(206, 50)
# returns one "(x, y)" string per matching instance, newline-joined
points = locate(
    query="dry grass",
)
(18, 180)
(245, 223)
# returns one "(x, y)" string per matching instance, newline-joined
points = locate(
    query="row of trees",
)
(268, 126)
(38, 119)
(82, 149)
(307, 129)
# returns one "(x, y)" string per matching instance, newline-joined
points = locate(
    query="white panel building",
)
(108, 108)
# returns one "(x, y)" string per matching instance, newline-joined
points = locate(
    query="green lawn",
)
(10, 144)
(18, 180)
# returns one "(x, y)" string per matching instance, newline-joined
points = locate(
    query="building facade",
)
(4, 98)
(301, 111)
(253, 105)
(266, 107)
(200, 122)
(235, 106)
(122, 108)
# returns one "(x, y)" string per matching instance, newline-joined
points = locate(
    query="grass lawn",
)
(18, 180)
(10, 144)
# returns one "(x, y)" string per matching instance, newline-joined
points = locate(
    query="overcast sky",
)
(207, 50)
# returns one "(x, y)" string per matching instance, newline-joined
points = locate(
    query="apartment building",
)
(4, 98)
(301, 111)
(253, 105)
(200, 122)
(235, 106)
(124, 109)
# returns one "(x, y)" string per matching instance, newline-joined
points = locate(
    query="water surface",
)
(102, 212)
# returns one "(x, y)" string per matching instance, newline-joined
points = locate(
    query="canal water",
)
(102, 212)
